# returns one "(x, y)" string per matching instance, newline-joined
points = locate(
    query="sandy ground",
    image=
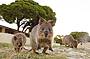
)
(6, 38)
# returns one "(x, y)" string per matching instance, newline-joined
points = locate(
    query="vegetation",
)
(58, 39)
(26, 9)
(5, 45)
(79, 35)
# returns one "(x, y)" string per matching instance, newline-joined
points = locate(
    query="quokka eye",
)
(42, 28)
(49, 29)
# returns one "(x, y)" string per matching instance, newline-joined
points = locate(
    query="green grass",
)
(5, 45)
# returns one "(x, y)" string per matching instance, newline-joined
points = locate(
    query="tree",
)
(80, 36)
(26, 9)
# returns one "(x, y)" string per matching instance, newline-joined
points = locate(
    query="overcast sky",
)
(72, 15)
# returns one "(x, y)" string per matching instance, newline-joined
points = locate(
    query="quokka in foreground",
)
(41, 36)
(18, 41)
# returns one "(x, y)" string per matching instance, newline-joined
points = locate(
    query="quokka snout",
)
(41, 36)
(18, 41)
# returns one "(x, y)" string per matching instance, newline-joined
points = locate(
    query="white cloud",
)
(6, 1)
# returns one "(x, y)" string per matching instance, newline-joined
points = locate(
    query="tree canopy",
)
(79, 35)
(26, 9)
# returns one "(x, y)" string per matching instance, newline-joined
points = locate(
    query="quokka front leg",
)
(45, 49)
(50, 46)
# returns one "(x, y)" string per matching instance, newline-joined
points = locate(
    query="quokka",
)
(68, 40)
(18, 41)
(41, 36)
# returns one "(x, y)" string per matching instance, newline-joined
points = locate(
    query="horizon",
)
(71, 15)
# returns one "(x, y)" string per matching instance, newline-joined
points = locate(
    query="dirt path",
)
(82, 52)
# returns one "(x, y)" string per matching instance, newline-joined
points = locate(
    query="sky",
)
(72, 15)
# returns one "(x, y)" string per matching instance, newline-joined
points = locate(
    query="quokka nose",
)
(46, 33)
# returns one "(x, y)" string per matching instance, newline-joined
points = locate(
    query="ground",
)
(60, 51)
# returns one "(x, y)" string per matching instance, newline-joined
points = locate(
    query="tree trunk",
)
(18, 25)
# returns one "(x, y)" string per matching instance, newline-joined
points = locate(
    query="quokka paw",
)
(37, 53)
(50, 49)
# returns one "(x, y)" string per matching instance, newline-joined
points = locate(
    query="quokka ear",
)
(51, 22)
(41, 20)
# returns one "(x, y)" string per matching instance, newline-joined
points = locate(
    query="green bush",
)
(58, 39)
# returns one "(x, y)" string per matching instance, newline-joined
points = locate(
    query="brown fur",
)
(18, 41)
(70, 41)
(41, 36)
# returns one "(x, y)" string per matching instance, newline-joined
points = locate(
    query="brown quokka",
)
(70, 41)
(41, 36)
(18, 41)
